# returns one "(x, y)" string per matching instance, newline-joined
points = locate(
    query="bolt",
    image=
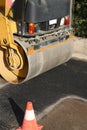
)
(4, 41)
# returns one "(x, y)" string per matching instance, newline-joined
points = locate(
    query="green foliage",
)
(80, 18)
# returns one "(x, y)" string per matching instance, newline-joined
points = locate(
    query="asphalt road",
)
(44, 90)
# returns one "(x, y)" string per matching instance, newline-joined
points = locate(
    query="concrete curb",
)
(3, 83)
(50, 108)
(80, 49)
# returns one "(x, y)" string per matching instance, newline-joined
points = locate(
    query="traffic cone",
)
(29, 122)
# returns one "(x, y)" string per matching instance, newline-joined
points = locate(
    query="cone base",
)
(19, 128)
(38, 126)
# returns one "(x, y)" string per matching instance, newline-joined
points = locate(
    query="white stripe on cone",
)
(29, 115)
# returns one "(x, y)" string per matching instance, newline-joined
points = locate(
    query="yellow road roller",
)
(35, 36)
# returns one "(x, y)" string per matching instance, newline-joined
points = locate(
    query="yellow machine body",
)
(11, 53)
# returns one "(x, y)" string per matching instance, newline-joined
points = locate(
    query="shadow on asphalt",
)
(19, 113)
(44, 90)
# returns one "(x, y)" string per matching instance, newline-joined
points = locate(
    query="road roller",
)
(35, 36)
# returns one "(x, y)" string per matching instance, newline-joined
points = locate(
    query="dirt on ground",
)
(70, 114)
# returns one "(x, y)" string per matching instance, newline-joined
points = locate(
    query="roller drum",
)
(37, 62)
(50, 57)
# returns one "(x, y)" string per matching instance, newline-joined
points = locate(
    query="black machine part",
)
(40, 10)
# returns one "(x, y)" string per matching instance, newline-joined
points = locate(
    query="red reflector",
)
(31, 28)
(67, 21)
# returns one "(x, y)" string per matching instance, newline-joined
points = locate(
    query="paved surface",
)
(80, 48)
(43, 91)
(70, 114)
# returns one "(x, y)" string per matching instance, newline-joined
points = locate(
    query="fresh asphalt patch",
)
(44, 90)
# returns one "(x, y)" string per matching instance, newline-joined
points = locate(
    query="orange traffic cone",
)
(29, 122)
